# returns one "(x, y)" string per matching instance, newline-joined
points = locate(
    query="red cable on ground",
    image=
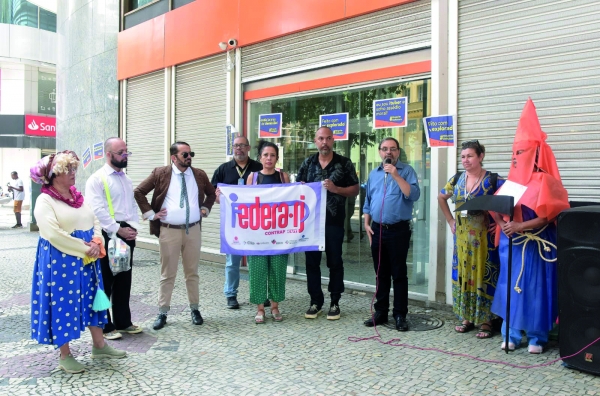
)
(393, 341)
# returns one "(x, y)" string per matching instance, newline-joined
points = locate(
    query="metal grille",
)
(547, 50)
(200, 105)
(145, 123)
(393, 30)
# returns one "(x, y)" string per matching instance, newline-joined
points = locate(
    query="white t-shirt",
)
(18, 195)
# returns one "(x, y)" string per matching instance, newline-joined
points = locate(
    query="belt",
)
(178, 226)
(395, 226)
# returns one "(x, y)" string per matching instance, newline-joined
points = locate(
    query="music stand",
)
(503, 204)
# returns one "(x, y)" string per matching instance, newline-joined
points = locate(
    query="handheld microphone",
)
(385, 162)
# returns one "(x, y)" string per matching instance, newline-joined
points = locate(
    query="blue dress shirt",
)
(397, 206)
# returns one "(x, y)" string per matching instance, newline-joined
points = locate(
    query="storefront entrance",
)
(300, 119)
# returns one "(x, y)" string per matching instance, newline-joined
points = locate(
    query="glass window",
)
(47, 20)
(24, 13)
(5, 11)
(300, 121)
(138, 3)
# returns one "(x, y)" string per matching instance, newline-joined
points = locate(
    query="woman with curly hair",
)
(67, 272)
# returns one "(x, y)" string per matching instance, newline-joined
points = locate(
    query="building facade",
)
(185, 70)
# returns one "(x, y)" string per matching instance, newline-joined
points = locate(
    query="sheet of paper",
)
(513, 189)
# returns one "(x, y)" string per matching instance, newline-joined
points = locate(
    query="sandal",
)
(276, 315)
(464, 327)
(259, 319)
(484, 332)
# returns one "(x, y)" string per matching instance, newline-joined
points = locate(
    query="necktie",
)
(183, 198)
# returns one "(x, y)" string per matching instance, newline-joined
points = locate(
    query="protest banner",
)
(87, 157)
(269, 125)
(269, 219)
(390, 113)
(338, 123)
(98, 151)
(440, 131)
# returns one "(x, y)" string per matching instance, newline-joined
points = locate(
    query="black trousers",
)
(334, 238)
(394, 250)
(117, 288)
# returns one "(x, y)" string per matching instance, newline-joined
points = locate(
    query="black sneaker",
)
(334, 312)
(232, 303)
(312, 312)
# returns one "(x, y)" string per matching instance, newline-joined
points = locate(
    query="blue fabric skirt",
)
(62, 294)
(536, 307)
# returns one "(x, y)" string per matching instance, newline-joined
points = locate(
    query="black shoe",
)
(196, 317)
(334, 312)
(378, 318)
(267, 303)
(17, 226)
(401, 323)
(160, 322)
(312, 312)
(232, 303)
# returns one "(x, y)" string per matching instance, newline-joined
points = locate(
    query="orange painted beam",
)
(141, 49)
(360, 7)
(346, 79)
(195, 30)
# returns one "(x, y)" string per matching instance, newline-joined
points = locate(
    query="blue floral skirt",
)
(62, 294)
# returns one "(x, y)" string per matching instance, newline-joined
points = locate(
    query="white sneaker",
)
(511, 346)
(535, 349)
(113, 335)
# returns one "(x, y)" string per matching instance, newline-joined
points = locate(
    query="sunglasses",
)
(186, 154)
(470, 143)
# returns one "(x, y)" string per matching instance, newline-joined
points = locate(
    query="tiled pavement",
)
(229, 354)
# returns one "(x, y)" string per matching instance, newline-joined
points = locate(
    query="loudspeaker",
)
(579, 287)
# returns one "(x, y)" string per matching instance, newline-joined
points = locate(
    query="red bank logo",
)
(40, 125)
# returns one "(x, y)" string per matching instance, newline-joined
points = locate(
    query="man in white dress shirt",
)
(123, 224)
(182, 196)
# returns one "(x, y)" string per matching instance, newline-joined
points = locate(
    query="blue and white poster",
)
(440, 131)
(338, 123)
(269, 125)
(390, 113)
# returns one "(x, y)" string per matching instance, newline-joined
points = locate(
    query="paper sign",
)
(87, 157)
(269, 125)
(390, 113)
(230, 135)
(98, 150)
(338, 123)
(512, 189)
(440, 131)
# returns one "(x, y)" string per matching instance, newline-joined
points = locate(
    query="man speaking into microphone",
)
(391, 190)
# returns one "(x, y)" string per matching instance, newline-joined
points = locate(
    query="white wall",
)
(20, 160)
(28, 44)
(19, 88)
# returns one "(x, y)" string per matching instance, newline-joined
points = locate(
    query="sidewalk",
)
(230, 355)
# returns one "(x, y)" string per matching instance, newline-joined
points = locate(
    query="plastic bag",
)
(119, 254)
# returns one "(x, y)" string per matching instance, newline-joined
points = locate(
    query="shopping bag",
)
(119, 254)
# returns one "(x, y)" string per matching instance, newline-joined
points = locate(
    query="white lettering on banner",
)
(272, 218)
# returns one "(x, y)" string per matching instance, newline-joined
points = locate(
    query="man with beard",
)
(339, 178)
(182, 196)
(235, 172)
(391, 191)
(118, 218)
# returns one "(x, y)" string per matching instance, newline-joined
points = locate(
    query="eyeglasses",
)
(123, 154)
(239, 146)
(186, 154)
(470, 143)
(390, 149)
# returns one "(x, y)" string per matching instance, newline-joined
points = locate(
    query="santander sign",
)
(37, 125)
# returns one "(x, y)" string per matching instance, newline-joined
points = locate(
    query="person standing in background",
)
(119, 218)
(16, 186)
(234, 172)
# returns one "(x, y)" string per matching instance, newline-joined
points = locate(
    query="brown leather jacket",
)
(159, 181)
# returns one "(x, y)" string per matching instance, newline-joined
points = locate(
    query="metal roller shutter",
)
(394, 30)
(200, 105)
(145, 134)
(547, 50)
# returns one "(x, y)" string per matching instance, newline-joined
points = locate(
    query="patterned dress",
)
(475, 262)
(63, 288)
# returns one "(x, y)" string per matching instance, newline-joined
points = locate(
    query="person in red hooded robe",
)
(534, 302)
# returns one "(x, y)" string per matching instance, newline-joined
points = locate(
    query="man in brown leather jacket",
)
(182, 196)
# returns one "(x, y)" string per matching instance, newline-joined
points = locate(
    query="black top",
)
(341, 172)
(227, 173)
(275, 178)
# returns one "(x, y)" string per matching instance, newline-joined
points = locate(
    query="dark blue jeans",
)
(334, 238)
(394, 250)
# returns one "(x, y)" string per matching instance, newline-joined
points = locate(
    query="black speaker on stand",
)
(579, 287)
